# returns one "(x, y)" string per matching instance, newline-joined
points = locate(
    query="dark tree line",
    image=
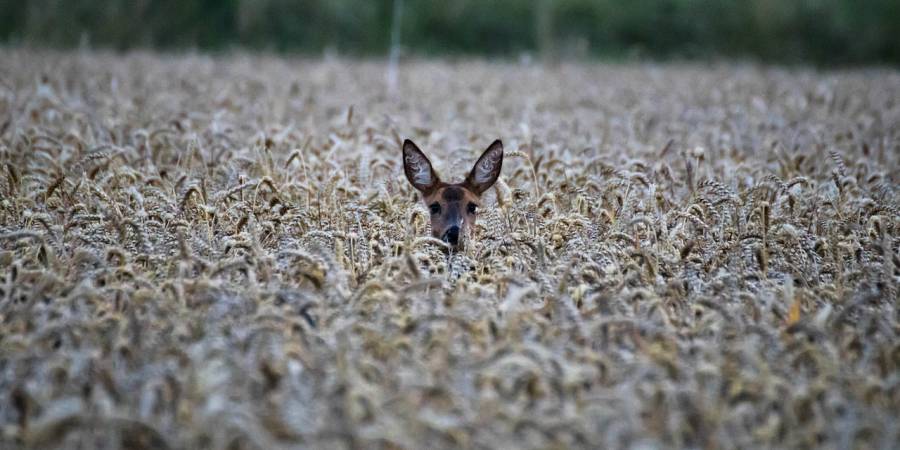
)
(820, 31)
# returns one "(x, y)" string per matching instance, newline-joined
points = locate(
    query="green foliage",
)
(823, 31)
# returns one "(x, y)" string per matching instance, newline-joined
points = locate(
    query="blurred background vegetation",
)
(828, 32)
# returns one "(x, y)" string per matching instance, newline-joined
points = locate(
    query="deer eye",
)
(435, 208)
(471, 208)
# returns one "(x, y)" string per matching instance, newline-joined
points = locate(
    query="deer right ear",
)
(418, 168)
(486, 171)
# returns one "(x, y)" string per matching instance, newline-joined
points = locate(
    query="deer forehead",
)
(453, 193)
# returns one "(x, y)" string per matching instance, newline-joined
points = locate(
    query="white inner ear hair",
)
(420, 169)
(484, 169)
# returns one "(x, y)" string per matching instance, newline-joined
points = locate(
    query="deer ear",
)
(487, 169)
(418, 168)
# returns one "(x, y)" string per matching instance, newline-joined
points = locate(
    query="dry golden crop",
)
(222, 252)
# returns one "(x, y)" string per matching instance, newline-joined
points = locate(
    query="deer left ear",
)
(487, 169)
(418, 168)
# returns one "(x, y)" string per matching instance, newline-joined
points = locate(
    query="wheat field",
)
(222, 252)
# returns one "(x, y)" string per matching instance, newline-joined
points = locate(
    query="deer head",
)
(453, 207)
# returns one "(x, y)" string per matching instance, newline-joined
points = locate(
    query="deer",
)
(453, 206)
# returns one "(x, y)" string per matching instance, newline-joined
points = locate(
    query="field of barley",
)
(223, 252)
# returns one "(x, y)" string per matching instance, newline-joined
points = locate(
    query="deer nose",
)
(452, 235)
